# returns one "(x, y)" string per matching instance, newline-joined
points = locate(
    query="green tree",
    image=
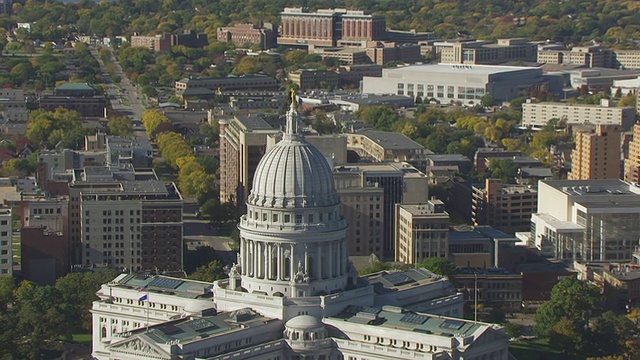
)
(78, 291)
(571, 298)
(440, 266)
(487, 100)
(376, 266)
(504, 169)
(567, 337)
(41, 318)
(218, 213)
(120, 126)
(611, 334)
(382, 117)
(209, 273)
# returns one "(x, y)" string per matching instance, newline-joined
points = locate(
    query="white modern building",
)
(293, 293)
(588, 220)
(539, 114)
(449, 83)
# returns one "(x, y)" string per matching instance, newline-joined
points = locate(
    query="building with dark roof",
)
(377, 145)
(207, 87)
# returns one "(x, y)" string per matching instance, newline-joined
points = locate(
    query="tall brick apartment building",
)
(325, 27)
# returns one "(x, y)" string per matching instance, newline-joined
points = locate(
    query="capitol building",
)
(293, 293)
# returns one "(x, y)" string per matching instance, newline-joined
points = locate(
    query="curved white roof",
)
(293, 174)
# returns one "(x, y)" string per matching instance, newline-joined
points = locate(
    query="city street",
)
(126, 99)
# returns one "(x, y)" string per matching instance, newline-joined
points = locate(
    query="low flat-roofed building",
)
(621, 286)
(353, 102)
(589, 56)
(495, 287)
(468, 84)
(387, 146)
(353, 74)
(471, 51)
(416, 289)
(539, 114)
(87, 106)
(345, 55)
(207, 87)
(315, 79)
(461, 161)
(411, 36)
(484, 155)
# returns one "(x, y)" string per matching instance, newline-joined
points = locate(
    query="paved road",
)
(125, 97)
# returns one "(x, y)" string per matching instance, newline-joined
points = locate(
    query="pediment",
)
(138, 346)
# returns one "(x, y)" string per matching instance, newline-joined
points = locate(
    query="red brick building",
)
(45, 255)
(323, 28)
(242, 34)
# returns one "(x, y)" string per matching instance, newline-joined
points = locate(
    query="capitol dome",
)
(293, 174)
(304, 323)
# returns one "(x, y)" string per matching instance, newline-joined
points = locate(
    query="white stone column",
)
(306, 258)
(254, 254)
(292, 263)
(318, 261)
(345, 256)
(269, 261)
(330, 260)
(279, 260)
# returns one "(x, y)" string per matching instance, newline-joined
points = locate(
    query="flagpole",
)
(475, 299)
(147, 329)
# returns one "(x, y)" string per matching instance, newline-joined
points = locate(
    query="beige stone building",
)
(506, 207)
(387, 146)
(157, 43)
(589, 56)
(596, 154)
(632, 162)
(421, 232)
(485, 52)
(314, 79)
(363, 208)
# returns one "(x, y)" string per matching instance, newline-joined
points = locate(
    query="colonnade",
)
(280, 261)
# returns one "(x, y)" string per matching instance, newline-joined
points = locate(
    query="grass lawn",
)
(81, 338)
(534, 350)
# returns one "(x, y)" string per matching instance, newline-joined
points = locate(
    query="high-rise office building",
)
(596, 154)
(6, 246)
(243, 142)
(504, 206)
(632, 162)
(421, 232)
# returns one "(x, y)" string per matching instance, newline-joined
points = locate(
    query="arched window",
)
(104, 332)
